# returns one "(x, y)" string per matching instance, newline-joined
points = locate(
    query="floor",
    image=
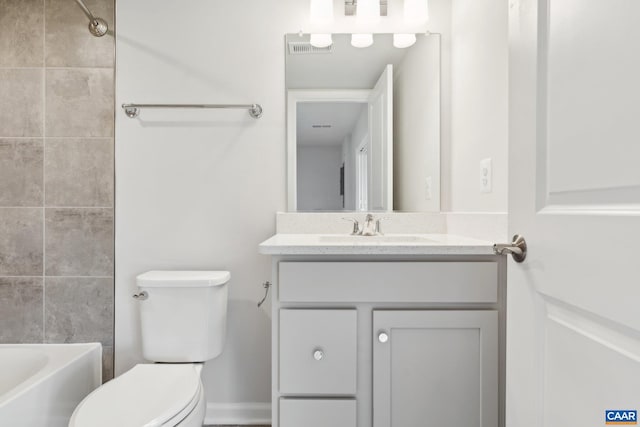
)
(226, 425)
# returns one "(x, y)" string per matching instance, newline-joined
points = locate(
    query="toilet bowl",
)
(183, 323)
(149, 395)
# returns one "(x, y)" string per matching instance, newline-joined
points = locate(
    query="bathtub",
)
(41, 384)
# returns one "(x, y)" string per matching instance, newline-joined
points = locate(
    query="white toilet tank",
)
(183, 314)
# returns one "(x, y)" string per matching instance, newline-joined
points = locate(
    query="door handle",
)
(517, 248)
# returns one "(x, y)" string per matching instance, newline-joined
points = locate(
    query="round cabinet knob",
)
(383, 337)
(318, 354)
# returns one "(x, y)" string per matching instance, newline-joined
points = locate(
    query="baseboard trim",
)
(238, 413)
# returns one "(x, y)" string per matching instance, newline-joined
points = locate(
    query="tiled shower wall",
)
(56, 174)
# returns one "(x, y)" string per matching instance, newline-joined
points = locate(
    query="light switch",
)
(485, 176)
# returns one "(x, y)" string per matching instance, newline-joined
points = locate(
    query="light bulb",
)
(402, 41)
(361, 40)
(320, 40)
(321, 11)
(416, 12)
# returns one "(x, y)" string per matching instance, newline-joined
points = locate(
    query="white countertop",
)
(389, 244)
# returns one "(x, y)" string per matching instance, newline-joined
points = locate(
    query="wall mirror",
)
(363, 125)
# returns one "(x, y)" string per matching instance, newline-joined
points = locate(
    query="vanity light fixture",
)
(367, 13)
(321, 13)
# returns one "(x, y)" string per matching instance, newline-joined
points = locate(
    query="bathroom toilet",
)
(183, 318)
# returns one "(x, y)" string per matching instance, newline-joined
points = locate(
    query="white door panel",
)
(603, 361)
(573, 324)
(588, 102)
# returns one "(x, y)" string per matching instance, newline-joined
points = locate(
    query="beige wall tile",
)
(21, 172)
(79, 172)
(79, 102)
(78, 310)
(21, 26)
(68, 41)
(21, 241)
(21, 102)
(21, 309)
(79, 242)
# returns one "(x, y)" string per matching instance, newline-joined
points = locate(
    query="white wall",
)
(479, 115)
(416, 119)
(319, 177)
(199, 189)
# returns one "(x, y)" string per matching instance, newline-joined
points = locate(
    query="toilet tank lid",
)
(184, 279)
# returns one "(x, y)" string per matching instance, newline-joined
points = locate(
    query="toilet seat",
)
(149, 395)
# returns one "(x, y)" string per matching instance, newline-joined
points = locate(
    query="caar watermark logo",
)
(621, 417)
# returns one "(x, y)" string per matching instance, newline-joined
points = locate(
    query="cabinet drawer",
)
(317, 413)
(318, 350)
(437, 282)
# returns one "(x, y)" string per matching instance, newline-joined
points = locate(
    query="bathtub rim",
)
(49, 369)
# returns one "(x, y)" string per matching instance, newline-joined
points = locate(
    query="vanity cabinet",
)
(388, 341)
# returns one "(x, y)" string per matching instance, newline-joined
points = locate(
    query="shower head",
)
(97, 26)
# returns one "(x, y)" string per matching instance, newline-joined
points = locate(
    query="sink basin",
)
(363, 240)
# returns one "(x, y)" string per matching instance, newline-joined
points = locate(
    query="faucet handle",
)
(356, 225)
(378, 222)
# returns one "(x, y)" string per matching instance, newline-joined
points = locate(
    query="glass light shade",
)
(403, 40)
(361, 40)
(368, 11)
(321, 11)
(416, 12)
(320, 40)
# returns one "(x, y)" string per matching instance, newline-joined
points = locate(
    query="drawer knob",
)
(383, 337)
(318, 354)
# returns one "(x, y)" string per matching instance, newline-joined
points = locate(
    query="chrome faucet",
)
(368, 228)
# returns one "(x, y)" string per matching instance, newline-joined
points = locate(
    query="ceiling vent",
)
(305, 48)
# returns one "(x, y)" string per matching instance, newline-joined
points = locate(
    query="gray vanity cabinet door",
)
(318, 352)
(435, 368)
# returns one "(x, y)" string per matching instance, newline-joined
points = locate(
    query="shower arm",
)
(87, 12)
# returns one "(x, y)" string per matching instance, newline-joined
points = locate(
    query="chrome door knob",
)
(318, 354)
(383, 337)
(517, 248)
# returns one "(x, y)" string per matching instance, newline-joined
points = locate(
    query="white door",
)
(381, 153)
(573, 317)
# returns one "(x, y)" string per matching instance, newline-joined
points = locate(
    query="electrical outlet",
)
(427, 188)
(486, 176)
